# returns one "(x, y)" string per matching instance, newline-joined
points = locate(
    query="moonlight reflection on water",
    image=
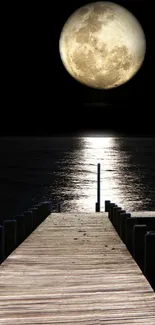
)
(83, 178)
(121, 179)
(65, 170)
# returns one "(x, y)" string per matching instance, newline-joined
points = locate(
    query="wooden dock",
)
(74, 269)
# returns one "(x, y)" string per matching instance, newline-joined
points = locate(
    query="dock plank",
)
(74, 269)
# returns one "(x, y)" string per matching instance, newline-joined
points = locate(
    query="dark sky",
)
(41, 98)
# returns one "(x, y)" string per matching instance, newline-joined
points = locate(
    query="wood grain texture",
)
(74, 269)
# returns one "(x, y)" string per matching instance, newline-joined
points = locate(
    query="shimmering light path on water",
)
(64, 170)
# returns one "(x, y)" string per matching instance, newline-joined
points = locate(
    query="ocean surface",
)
(64, 170)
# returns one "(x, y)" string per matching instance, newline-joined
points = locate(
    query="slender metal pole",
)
(98, 186)
(96, 207)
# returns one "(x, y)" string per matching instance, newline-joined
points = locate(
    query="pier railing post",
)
(123, 217)
(116, 213)
(149, 266)
(112, 205)
(35, 217)
(39, 214)
(107, 205)
(139, 232)
(20, 227)
(130, 223)
(10, 237)
(28, 216)
(1, 244)
(45, 209)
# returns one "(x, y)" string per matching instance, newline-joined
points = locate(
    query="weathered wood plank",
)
(74, 269)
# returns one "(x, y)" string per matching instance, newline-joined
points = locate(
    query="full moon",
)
(102, 45)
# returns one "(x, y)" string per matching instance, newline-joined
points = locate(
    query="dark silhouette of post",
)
(116, 220)
(107, 205)
(148, 221)
(10, 237)
(139, 232)
(96, 207)
(112, 205)
(39, 214)
(123, 217)
(115, 209)
(43, 210)
(98, 188)
(28, 216)
(129, 224)
(1, 244)
(149, 257)
(20, 227)
(35, 217)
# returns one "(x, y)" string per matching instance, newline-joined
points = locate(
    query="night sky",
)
(41, 98)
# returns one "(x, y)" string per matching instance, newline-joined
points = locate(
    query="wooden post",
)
(1, 244)
(107, 206)
(118, 219)
(35, 217)
(123, 216)
(10, 239)
(39, 218)
(20, 228)
(113, 210)
(45, 209)
(112, 205)
(139, 232)
(114, 218)
(28, 222)
(149, 262)
(130, 223)
(98, 186)
(148, 221)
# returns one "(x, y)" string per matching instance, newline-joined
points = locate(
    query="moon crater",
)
(102, 45)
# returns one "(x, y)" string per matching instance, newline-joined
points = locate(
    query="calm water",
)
(64, 170)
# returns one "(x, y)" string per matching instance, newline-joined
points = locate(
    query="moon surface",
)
(102, 45)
